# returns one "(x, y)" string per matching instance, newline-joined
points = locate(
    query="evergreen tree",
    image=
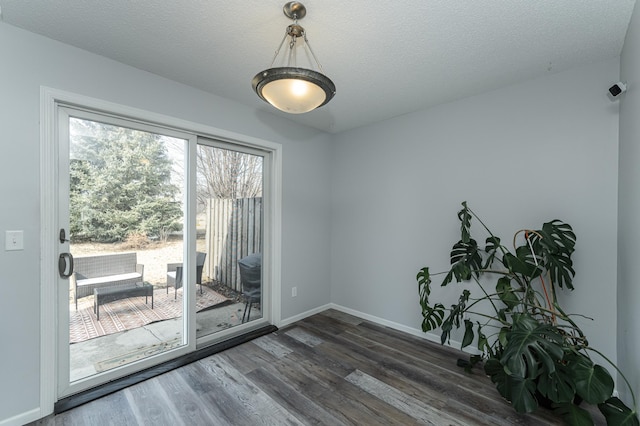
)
(120, 184)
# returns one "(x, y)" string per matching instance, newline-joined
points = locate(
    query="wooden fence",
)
(233, 231)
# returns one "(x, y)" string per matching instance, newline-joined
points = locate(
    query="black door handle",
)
(62, 265)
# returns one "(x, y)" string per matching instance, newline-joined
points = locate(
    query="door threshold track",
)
(123, 382)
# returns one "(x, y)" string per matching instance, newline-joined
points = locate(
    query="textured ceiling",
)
(386, 58)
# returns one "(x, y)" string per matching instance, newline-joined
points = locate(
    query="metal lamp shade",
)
(293, 90)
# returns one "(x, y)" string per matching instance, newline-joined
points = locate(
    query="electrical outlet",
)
(14, 240)
(294, 291)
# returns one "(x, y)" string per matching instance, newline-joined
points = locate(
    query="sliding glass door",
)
(123, 231)
(230, 189)
(163, 241)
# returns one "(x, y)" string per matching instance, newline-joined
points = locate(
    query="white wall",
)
(629, 211)
(520, 156)
(29, 61)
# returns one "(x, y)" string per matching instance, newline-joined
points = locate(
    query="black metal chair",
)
(174, 273)
(251, 277)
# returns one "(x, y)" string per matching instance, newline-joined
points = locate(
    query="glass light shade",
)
(293, 90)
(293, 96)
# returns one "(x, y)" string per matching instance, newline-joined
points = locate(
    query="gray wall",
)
(363, 214)
(520, 156)
(29, 61)
(629, 211)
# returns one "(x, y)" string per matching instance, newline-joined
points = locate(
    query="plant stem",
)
(495, 308)
(486, 316)
(569, 320)
(502, 249)
(478, 271)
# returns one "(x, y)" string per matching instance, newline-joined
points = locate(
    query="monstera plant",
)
(532, 350)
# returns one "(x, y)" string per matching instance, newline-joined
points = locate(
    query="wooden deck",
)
(328, 369)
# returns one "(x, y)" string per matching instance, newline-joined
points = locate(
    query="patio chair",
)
(250, 277)
(174, 273)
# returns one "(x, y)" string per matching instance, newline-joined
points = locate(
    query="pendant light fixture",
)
(290, 88)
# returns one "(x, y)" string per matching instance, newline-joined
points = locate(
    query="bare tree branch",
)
(224, 173)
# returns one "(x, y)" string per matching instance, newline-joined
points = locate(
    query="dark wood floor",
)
(328, 369)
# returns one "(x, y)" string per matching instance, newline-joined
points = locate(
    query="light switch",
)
(14, 240)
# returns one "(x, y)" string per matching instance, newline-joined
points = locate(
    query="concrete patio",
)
(144, 341)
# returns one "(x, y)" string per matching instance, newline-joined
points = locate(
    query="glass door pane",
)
(126, 221)
(229, 223)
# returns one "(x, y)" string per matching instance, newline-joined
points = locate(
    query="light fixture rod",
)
(306, 43)
(292, 53)
(307, 46)
(275, 56)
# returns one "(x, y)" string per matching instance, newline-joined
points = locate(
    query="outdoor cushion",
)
(109, 278)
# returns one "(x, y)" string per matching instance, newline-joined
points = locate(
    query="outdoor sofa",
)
(108, 270)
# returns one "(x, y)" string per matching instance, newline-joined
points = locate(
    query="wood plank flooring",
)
(328, 369)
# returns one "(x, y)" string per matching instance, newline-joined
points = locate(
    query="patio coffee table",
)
(110, 294)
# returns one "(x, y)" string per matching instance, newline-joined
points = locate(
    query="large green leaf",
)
(593, 382)
(519, 391)
(557, 386)
(468, 334)
(461, 272)
(424, 286)
(502, 335)
(558, 236)
(518, 266)
(455, 316)
(446, 328)
(532, 347)
(618, 414)
(573, 415)
(523, 394)
(457, 311)
(528, 258)
(506, 294)
(525, 254)
(483, 342)
(465, 260)
(555, 248)
(432, 317)
(465, 222)
(424, 278)
(492, 245)
(560, 269)
(465, 252)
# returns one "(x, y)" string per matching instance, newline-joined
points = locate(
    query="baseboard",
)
(304, 315)
(432, 337)
(380, 321)
(23, 418)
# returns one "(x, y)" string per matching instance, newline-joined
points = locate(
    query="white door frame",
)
(49, 101)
